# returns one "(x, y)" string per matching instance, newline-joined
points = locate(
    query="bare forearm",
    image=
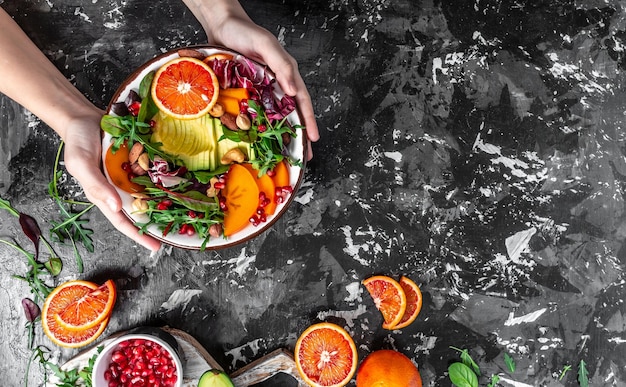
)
(29, 78)
(212, 13)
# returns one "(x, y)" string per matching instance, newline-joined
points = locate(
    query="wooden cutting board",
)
(197, 360)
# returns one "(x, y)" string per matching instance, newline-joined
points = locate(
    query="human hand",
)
(82, 162)
(227, 24)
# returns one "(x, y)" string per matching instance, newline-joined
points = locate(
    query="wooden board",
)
(197, 360)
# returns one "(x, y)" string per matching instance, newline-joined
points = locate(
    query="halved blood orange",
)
(242, 198)
(185, 88)
(56, 302)
(388, 368)
(220, 56)
(90, 309)
(325, 355)
(413, 302)
(388, 297)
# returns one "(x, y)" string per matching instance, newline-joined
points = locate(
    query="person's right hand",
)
(82, 156)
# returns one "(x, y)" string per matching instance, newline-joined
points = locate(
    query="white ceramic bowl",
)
(154, 336)
(297, 148)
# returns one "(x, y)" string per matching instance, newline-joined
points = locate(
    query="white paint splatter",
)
(530, 317)
(395, 156)
(518, 243)
(354, 292)
(237, 352)
(180, 297)
(348, 315)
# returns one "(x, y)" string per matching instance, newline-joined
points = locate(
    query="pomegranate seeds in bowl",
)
(138, 360)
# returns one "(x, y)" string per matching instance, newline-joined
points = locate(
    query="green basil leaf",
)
(510, 363)
(145, 85)
(583, 374)
(462, 376)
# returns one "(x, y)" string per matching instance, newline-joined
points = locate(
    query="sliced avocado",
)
(225, 144)
(215, 378)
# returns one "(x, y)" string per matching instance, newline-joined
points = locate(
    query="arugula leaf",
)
(462, 376)
(510, 363)
(583, 374)
(495, 379)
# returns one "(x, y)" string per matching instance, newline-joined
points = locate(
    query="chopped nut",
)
(139, 205)
(134, 152)
(137, 170)
(229, 121)
(217, 110)
(139, 195)
(286, 138)
(243, 121)
(144, 161)
(234, 155)
(191, 53)
(212, 191)
(215, 230)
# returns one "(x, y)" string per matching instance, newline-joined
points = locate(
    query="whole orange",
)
(388, 368)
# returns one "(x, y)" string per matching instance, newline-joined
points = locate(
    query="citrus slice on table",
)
(388, 297)
(326, 355)
(388, 368)
(185, 88)
(57, 301)
(90, 309)
(413, 302)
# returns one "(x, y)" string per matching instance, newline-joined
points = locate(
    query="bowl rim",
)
(295, 115)
(111, 346)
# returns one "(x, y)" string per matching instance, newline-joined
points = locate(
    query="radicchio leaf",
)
(31, 230)
(31, 309)
(160, 173)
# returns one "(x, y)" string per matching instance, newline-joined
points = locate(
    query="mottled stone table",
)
(477, 147)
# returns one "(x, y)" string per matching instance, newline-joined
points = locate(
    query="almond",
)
(134, 152)
(229, 121)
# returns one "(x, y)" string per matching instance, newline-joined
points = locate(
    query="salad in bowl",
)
(203, 147)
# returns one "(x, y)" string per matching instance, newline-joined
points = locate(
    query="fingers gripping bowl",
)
(203, 147)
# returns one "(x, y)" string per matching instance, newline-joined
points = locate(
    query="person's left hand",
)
(83, 155)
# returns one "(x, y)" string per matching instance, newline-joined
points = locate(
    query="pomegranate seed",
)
(191, 214)
(219, 185)
(152, 123)
(271, 173)
(183, 229)
(126, 166)
(261, 128)
(134, 108)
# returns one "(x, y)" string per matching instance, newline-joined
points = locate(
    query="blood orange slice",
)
(89, 310)
(388, 297)
(185, 88)
(413, 302)
(60, 298)
(326, 356)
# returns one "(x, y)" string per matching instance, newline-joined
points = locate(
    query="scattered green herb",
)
(72, 227)
(566, 368)
(495, 379)
(510, 363)
(583, 374)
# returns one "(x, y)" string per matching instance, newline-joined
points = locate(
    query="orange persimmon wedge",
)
(281, 174)
(230, 104)
(266, 185)
(242, 198)
(113, 163)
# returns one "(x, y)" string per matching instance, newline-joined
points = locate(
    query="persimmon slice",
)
(266, 185)
(185, 88)
(114, 162)
(241, 194)
(281, 174)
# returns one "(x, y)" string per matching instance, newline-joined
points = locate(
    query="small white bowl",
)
(153, 335)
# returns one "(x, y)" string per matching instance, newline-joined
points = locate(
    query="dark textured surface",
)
(474, 146)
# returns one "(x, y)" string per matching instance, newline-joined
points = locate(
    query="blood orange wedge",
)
(56, 302)
(90, 309)
(325, 355)
(185, 88)
(413, 302)
(388, 297)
